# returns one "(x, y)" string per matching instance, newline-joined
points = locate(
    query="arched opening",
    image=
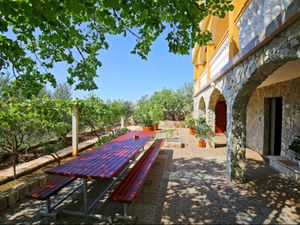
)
(202, 107)
(274, 85)
(217, 112)
(272, 116)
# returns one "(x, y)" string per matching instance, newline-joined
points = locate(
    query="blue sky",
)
(126, 76)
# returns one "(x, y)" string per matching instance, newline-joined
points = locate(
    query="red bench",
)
(130, 186)
(49, 189)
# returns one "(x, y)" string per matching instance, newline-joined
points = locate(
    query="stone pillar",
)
(75, 128)
(236, 143)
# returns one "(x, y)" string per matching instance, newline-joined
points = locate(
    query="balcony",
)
(257, 16)
(196, 87)
(203, 78)
(221, 58)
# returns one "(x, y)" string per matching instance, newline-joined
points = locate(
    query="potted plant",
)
(157, 115)
(295, 147)
(203, 131)
(147, 122)
(190, 123)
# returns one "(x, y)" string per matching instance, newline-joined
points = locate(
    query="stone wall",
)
(290, 93)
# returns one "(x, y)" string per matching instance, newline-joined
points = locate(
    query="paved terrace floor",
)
(188, 185)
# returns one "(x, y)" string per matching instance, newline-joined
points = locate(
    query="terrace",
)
(188, 185)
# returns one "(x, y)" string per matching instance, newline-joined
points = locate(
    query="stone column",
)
(236, 143)
(75, 128)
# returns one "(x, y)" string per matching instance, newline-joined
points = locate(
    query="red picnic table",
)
(107, 162)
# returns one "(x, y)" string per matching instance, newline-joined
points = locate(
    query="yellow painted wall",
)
(219, 27)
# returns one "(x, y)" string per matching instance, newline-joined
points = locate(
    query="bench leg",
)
(48, 212)
(48, 206)
(85, 200)
(125, 216)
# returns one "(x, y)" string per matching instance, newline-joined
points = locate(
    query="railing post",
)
(75, 128)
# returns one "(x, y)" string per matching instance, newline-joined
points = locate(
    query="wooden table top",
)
(105, 161)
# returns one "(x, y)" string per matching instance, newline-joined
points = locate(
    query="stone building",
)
(247, 79)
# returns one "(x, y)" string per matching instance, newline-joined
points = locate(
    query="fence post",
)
(75, 127)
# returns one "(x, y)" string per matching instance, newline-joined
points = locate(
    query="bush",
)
(203, 130)
(190, 121)
(295, 146)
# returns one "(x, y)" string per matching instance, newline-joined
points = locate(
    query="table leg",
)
(85, 200)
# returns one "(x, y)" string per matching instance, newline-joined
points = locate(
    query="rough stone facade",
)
(255, 134)
(239, 83)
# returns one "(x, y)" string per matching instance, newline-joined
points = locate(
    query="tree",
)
(186, 94)
(91, 114)
(115, 109)
(23, 123)
(35, 35)
(62, 91)
(142, 111)
(171, 103)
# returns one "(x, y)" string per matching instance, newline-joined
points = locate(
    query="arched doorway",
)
(217, 112)
(202, 107)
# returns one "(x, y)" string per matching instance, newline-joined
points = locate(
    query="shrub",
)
(203, 130)
(295, 146)
(190, 121)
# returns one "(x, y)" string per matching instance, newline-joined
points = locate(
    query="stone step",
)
(285, 166)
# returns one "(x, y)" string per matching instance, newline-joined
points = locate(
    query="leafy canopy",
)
(34, 35)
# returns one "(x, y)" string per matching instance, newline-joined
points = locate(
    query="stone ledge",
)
(13, 195)
(285, 166)
(28, 167)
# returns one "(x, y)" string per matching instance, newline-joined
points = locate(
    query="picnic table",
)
(107, 162)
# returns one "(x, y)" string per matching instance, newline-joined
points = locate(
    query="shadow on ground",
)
(195, 190)
(198, 192)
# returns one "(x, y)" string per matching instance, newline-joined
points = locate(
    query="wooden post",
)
(122, 122)
(75, 128)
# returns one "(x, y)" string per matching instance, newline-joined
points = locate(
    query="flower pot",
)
(148, 128)
(201, 144)
(155, 126)
(192, 131)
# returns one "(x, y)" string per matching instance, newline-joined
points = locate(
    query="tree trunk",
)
(15, 161)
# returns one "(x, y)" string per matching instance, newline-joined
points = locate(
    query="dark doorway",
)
(275, 124)
(221, 117)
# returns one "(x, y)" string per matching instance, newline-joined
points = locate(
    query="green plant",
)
(203, 130)
(142, 111)
(156, 113)
(119, 132)
(190, 121)
(32, 54)
(295, 146)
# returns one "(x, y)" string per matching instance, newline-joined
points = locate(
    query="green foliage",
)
(142, 111)
(104, 139)
(186, 95)
(190, 121)
(115, 109)
(108, 137)
(156, 113)
(165, 105)
(37, 35)
(203, 130)
(92, 112)
(295, 146)
(119, 132)
(62, 91)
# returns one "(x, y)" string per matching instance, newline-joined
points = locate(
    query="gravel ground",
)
(188, 185)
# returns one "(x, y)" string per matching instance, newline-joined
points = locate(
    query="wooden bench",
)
(130, 186)
(49, 189)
